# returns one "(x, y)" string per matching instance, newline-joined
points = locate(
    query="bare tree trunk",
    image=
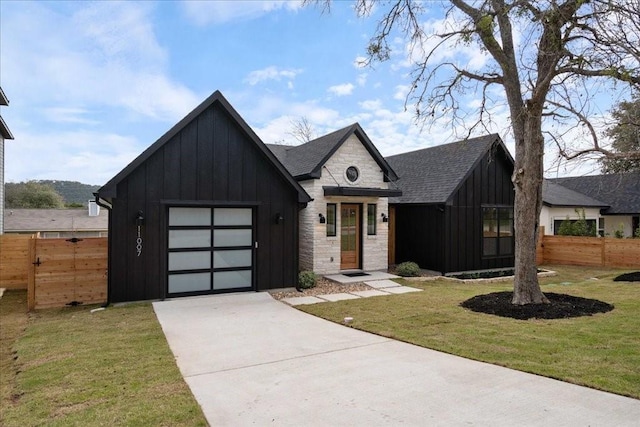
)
(527, 178)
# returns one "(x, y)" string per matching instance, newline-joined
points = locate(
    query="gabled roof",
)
(432, 175)
(108, 191)
(4, 129)
(621, 192)
(41, 220)
(556, 195)
(3, 98)
(306, 161)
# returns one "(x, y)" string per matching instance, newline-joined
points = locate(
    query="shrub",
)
(306, 279)
(408, 269)
(619, 232)
(579, 227)
(566, 228)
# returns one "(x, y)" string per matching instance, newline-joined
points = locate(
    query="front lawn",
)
(600, 351)
(68, 366)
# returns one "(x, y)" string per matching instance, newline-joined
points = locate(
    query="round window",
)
(352, 173)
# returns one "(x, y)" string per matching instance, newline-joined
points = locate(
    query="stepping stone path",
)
(380, 288)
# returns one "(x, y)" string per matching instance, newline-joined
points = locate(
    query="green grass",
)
(601, 351)
(66, 367)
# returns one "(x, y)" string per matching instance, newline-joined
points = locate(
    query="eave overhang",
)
(4, 130)
(361, 191)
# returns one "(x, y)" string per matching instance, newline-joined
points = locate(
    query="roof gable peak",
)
(306, 161)
(108, 191)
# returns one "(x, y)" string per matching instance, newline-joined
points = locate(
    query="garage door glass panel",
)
(232, 279)
(230, 259)
(189, 239)
(232, 216)
(224, 238)
(189, 282)
(189, 260)
(189, 216)
(210, 249)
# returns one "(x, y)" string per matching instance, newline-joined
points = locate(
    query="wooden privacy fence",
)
(14, 260)
(67, 272)
(589, 251)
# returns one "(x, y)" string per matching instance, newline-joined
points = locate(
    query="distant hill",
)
(71, 191)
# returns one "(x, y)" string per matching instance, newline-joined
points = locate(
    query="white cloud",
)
(362, 79)
(102, 53)
(220, 12)
(92, 157)
(341, 90)
(371, 105)
(401, 92)
(271, 73)
(271, 118)
(68, 115)
(360, 62)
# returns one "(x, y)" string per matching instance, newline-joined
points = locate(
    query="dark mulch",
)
(628, 277)
(561, 306)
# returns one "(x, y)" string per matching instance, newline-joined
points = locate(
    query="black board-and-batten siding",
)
(448, 236)
(211, 159)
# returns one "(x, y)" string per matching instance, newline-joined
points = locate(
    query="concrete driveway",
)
(251, 360)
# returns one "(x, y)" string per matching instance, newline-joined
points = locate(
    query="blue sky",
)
(92, 84)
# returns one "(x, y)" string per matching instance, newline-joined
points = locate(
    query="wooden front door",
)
(350, 229)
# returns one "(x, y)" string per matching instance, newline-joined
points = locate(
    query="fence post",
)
(31, 277)
(540, 246)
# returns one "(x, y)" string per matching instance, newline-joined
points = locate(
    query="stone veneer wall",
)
(321, 253)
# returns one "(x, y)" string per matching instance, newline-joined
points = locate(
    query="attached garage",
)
(206, 209)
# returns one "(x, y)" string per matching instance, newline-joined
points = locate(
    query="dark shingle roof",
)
(621, 192)
(306, 161)
(554, 194)
(432, 175)
(35, 220)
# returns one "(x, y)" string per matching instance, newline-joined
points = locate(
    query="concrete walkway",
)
(379, 287)
(251, 360)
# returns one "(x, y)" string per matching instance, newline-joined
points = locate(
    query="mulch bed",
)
(560, 306)
(628, 277)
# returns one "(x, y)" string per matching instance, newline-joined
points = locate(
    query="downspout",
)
(107, 206)
(297, 245)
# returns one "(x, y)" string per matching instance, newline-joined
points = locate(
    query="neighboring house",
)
(345, 226)
(611, 202)
(456, 209)
(5, 134)
(206, 209)
(49, 223)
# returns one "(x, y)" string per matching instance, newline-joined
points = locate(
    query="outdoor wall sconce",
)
(279, 218)
(323, 220)
(140, 219)
(384, 216)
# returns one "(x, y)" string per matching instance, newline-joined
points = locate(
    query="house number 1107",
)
(139, 242)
